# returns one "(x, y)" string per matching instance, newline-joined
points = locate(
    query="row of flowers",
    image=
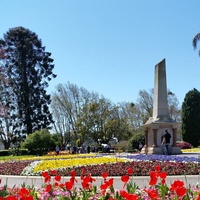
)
(54, 189)
(114, 165)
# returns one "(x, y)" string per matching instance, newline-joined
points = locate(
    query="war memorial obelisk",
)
(155, 126)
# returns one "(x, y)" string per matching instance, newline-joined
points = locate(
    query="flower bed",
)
(54, 189)
(114, 165)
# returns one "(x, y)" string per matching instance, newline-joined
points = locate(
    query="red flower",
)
(104, 175)
(48, 188)
(107, 184)
(87, 181)
(47, 179)
(24, 194)
(86, 185)
(53, 172)
(69, 185)
(57, 184)
(10, 198)
(181, 191)
(130, 171)
(152, 193)
(83, 171)
(132, 197)
(163, 175)
(73, 173)
(125, 179)
(57, 178)
(45, 174)
(176, 184)
(157, 168)
(128, 196)
(153, 178)
(163, 181)
(110, 182)
(124, 194)
(73, 179)
(103, 186)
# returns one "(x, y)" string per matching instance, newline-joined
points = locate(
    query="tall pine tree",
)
(191, 117)
(28, 68)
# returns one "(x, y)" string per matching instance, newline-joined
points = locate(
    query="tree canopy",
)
(191, 117)
(195, 41)
(28, 68)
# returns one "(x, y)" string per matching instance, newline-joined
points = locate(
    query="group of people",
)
(165, 141)
(75, 150)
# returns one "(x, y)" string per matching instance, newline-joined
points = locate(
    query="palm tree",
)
(195, 41)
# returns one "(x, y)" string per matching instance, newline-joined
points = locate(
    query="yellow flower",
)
(65, 163)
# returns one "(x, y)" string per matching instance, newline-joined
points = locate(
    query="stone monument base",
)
(176, 150)
(160, 150)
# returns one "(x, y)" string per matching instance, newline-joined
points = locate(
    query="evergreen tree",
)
(28, 68)
(191, 118)
(195, 41)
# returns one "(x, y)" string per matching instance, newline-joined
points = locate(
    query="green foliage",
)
(18, 152)
(29, 69)
(136, 139)
(122, 145)
(4, 152)
(191, 118)
(41, 141)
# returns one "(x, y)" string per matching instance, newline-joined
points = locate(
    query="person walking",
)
(57, 150)
(166, 141)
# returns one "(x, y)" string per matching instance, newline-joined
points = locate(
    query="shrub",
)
(122, 145)
(184, 145)
(4, 153)
(135, 140)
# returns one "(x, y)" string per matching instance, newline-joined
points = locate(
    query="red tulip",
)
(83, 171)
(163, 175)
(73, 173)
(176, 184)
(153, 178)
(103, 186)
(152, 193)
(157, 168)
(48, 188)
(9, 198)
(57, 178)
(128, 196)
(125, 178)
(45, 174)
(68, 185)
(163, 181)
(104, 175)
(130, 171)
(53, 172)
(124, 194)
(181, 191)
(47, 179)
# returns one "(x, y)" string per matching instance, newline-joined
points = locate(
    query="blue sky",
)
(112, 46)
